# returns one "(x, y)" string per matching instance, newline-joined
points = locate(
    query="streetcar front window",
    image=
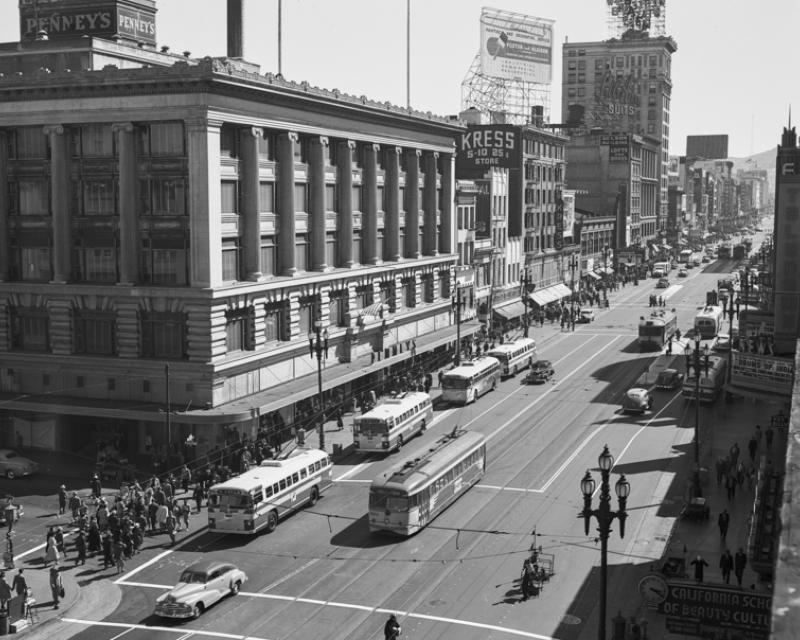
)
(455, 383)
(397, 504)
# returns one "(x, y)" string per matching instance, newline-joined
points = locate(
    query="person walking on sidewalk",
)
(721, 467)
(730, 485)
(56, 587)
(734, 454)
(62, 500)
(80, 547)
(726, 565)
(723, 521)
(739, 563)
(758, 434)
(768, 435)
(699, 564)
(752, 447)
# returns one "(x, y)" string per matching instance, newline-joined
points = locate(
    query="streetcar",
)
(467, 382)
(514, 356)
(409, 496)
(259, 497)
(391, 424)
(657, 330)
(708, 321)
(712, 379)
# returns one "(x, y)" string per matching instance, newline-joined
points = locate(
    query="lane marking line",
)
(174, 630)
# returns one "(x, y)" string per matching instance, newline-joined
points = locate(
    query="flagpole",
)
(280, 36)
(408, 54)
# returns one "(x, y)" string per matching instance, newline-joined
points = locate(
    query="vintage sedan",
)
(541, 371)
(13, 465)
(586, 315)
(637, 400)
(669, 379)
(662, 283)
(200, 585)
(682, 273)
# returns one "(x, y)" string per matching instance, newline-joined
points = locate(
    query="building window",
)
(228, 141)
(301, 197)
(275, 321)
(230, 259)
(97, 198)
(266, 197)
(32, 264)
(229, 190)
(30, 329)
(96, 264)
(239, 330)
(357, 246)
(29, 197)
(162, 139)
(92, 141)
(28, 143)
(269, 256)
(426, 282)
(301, 149)
(301, 250)
(266, 146)
(331, 203)
(388, 295)
(330, 250)
(409, 293)
(164, 260)
(364, 296)
(307, 314)
(163, 335)
(338, 308)
(162, 196)
(444, 284)
(95, 333)
(381, 201)
(357, 204)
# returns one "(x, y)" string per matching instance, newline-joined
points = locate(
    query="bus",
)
(739, 252)
(393, 423)
(259, 497)
(708, 322)
(467, 382)
(724, 251)
(686, 255)
(661, 269)
(712, 379)
(409, 496)
(657, 330)
(514, 356)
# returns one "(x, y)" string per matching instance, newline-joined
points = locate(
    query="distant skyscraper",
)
(714, 147)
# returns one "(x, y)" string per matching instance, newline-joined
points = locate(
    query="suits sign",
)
(487, 146)
(558, 236)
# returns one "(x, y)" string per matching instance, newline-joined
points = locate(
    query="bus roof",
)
(710, 311)
(421, 467)
(657, 318)
(392, 406)
(469, 368)
(512, 346)
(270, 471)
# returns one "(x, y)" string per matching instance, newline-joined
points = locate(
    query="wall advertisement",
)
(516, 46)
(62, 19)
(486, 146)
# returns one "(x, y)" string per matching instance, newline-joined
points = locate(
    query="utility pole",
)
(526, 282)
(168, 412)
(457, 303)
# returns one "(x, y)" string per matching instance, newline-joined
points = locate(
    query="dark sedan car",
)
(541, 371)
(669, 379)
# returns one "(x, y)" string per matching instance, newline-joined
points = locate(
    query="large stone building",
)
(195, 216)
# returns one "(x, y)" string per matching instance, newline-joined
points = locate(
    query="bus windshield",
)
(651, 330)
(451, 382)
(390, 501)
(373, 425)
(230, 499)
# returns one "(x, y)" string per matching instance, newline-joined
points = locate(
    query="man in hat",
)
(62, 500)
(94, 483)
(391, 630)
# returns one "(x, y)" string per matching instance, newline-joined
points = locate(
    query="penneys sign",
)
(104, 19)
(483, 147)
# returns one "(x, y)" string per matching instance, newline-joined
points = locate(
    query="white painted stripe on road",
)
(290, 575)
(354, 481)
(119, 635)
(175, 630)
(343, 605)
(152, 561)
(352, 471)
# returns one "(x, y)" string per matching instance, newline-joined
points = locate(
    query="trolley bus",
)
(467, 382)
(712, 379)
(259, 497)
(516, 355)
(724, 251)
(708, 322)
(391, 424)
(657, 330)
(409, 496)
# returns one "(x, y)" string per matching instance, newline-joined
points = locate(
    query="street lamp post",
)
(693, 360)
(525, 284)
(573, 266)
(605, 272)
(728, 309)
(168, 411)
(604, 516)
(457, 304)
(318, 344)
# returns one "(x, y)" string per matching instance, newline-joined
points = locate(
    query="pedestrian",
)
(752, 447)
(59, 536)
(186, 510)
(62, 500)
(171, 524)
(20, 586)
(339, 420)
(119, 555)
(80, 547)
(97, 488)
(51, 553)
(723, 521)
(186, 478)
(720, 466)
(391, 630)
(730, 485)
(10, 513)
(75, 504)
(527, 578)
(739, 563)
(741, 473)
(734, 454)
(108, 552)
(56, 586)
(5, 591)
(699, 564)
(768, 435)
(198, 496)
(726, 565)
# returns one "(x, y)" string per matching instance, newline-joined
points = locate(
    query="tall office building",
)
(622, 86)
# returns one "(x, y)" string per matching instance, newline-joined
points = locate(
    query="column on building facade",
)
(128, 219)
(369, 217)
(62, 335)
(429, 204)
(391, 224)
(127, 327)
(250, 230)
(412, 248)
(205, 243)
(344, 162)
(317, 211)
(287, 216)
(60, 199)
(446, 163)
(4, 238)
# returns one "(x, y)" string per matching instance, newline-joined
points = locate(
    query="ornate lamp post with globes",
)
(318, 345)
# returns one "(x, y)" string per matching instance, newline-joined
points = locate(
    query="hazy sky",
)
(732, 73)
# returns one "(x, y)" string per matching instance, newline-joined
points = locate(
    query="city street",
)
(322, 575)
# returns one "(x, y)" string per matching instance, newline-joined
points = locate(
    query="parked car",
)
(722, 343)
(13, 465)
(540, 371)
(682, 273)
(662, 283)
(669, 379)
(587, 315)
(637, 400)
(200, 585)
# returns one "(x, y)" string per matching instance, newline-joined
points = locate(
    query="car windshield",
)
(665, 376)
(11, 454)
(193, 577)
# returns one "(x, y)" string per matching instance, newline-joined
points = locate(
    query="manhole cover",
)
(568, 619)
(436, 603)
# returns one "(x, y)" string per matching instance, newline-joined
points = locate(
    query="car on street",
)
(705, 259)
(637, 400)
(682, 273)
(722, 343)
(541, 371)
(669, 379)
(200, 586)
(662, 283)
(586, 315)
(13, 465)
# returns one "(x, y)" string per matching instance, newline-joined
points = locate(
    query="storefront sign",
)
(65, 18)
(700, 610)
(558, 236)
(483, 147)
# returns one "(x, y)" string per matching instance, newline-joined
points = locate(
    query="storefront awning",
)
(511, 310)
(593, 275)
(607, 270)
(550, 294)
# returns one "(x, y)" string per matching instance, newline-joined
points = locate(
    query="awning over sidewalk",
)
(550, 294)
(511, 310)
(593, 275)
